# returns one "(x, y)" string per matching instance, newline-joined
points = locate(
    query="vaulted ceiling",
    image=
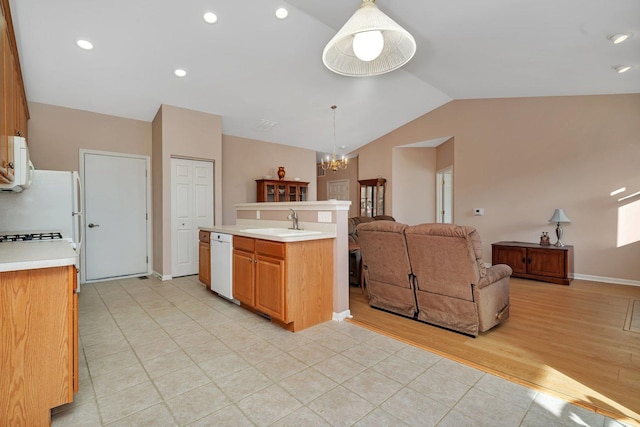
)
(255, 70)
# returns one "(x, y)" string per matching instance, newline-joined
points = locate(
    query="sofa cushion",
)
(443, 259)
(384, 252)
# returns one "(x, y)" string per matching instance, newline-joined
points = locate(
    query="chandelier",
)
(332, 162)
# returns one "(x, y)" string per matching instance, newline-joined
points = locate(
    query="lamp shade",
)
(559, 216)
(398, 48)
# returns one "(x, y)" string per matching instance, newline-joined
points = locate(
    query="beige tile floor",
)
(170, 353)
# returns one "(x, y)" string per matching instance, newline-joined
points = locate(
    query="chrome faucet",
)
(294, 217)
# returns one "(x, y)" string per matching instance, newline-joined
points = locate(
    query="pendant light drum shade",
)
(398, 48)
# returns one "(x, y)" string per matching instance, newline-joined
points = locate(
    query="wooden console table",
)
(532, 261)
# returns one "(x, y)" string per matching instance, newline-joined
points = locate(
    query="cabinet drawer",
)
(204, 236)
(244, 243)
(267, 247)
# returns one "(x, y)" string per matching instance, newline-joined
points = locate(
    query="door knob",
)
(93, 225)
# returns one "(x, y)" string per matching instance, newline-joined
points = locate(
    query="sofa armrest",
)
(494, 273)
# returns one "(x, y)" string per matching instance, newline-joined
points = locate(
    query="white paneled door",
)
(444, 207)
(338, 190)
(191, 207)
(116, 204)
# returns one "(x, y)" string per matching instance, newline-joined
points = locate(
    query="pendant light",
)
(370, 43)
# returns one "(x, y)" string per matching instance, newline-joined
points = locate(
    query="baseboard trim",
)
(602, 279)
(607, 279)
(339, 317)
(161, 277)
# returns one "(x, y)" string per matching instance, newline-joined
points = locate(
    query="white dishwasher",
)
(221, 265)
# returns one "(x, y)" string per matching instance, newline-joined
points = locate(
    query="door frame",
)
(171, 198)
(83, 252)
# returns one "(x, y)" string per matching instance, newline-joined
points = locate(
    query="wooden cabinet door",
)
(514, 257)
(545, 262)
(302, 195)
(204, 263)
(4, 146)
(38, 354)
(21, 109)
(9, 92)
(270, 287)
(243, 277)
(76, 373)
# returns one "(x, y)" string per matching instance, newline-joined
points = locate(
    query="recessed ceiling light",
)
(210, 18)
(282, 13)
(622, 68)
(619, 38)
(84, 44)
(179, 72)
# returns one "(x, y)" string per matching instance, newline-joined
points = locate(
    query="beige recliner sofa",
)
(354, 255)
(386, 267)
(450, 285)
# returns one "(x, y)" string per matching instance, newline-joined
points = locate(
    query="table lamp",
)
(559, 217)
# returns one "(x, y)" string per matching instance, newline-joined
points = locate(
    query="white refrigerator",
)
(51, 204)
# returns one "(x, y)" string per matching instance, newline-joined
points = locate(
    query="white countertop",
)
(237, 230)
(31, 255)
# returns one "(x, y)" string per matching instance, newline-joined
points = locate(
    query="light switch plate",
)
(257, 214)
(324, 216)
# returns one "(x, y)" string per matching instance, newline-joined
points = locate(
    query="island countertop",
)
(241, 230)
(31, 255)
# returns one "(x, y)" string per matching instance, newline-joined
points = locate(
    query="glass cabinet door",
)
(372, 197)
(271, 193)
(380, 206)
(303, 193)
(293, 193)
(282, 192)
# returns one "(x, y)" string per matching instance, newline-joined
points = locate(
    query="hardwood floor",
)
(568, 341)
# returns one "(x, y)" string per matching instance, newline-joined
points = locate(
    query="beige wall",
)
(156, 185)
(246, 160)
(520, 158)
(350, 174)
(414, 185)
(188, 134)
(56, 135)
(444, 154)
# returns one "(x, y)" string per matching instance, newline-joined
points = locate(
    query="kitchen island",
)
(291, 276)
(38, 330)
(285, 275)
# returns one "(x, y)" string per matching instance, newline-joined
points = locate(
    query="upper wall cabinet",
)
(14, 112)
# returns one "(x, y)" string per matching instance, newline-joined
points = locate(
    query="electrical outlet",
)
(257, 214)
(324, 216)
(478, 211)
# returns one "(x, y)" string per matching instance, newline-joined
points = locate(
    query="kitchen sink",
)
(281, 232)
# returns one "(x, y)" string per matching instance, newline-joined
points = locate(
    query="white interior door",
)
(338, 189)
(191, 207)
(116, 203)
(444, 212)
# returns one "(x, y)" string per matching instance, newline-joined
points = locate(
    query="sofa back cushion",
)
(443, 257)
(384, 252)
